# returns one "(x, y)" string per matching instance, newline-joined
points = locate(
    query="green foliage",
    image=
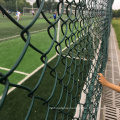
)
(49, 6)
(116, 13)
(14, 4)
(2, 2)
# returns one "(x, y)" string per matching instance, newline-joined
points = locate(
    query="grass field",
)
(116, 26)
(10, 51)
(17, 102)
(8, 29)
(14, 78)
(13, 48)
(21, 105)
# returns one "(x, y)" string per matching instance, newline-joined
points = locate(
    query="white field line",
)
(28, 76)
(19, 35)
(77, 58)
(9, 37)
(14, 71)
(38, 31)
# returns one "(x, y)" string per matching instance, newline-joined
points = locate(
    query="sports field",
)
(9, 29)
(11, 44)
(11, 48)
(44, 91)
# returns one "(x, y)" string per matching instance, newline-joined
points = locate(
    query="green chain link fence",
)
(84, 30)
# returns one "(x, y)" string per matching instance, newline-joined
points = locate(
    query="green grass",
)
(13, 78)
(8, 29)
(17, 102)
(10, 51)
(116, 26)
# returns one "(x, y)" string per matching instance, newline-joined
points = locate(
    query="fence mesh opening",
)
(66, 85)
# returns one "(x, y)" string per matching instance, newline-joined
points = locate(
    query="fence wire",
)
(84, 30)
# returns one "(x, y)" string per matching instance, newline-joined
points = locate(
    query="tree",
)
(21, 4)
(35, 5)
(49, 5)
(2, 2)
(11, 4)
(116, 13)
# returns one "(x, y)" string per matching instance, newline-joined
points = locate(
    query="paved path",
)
(110, 105)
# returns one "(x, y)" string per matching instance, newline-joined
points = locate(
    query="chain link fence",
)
(80, 36)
